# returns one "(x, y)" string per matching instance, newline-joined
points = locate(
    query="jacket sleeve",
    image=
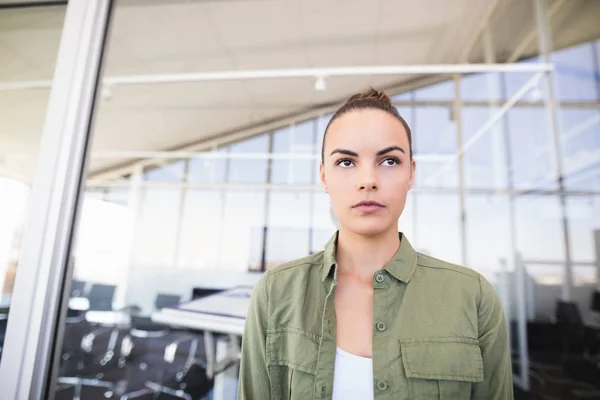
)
(254, 376)
(493, 341)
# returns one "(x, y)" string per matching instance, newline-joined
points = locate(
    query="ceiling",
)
(173, 37)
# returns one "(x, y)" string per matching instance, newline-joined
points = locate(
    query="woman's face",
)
(367, 170)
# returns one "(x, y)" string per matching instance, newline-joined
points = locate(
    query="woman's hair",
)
(370, 99)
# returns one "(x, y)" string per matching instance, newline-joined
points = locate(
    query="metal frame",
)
(39, 302)
(460, 166)
(491, 191)
(545, 48)
(426, 69)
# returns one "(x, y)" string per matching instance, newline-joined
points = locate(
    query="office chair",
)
(595, 306)
(171, 372)
(79, 368)
(77, 288)
(149, 344)
(571, 328)
(101, 297)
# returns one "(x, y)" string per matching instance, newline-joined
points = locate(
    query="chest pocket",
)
(292, 361)
(442, 368)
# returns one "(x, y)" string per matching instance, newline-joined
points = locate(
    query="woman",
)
(369, 317)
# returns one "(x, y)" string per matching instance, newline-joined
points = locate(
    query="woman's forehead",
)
(366, 129)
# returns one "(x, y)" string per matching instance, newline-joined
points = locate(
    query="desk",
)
(592, 320)
(75, 303)
(222, 313)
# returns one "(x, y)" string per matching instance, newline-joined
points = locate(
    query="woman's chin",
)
(372, 227)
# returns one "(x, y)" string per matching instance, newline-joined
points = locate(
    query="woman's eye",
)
(345, 163)
(390, 162)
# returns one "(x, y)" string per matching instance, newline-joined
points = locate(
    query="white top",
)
(352, 377)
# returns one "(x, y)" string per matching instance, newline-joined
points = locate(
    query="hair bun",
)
(371, 94)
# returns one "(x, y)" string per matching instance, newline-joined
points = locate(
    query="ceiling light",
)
(320, 85)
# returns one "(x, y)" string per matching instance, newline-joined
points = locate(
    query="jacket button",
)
(379, 278)
(382, 385)
(381, 326)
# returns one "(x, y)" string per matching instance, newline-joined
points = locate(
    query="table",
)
(222, 313)
(75, 303)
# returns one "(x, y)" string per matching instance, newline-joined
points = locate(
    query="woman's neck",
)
(361, 256)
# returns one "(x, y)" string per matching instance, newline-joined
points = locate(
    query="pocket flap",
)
(294, 349)
(455, 359)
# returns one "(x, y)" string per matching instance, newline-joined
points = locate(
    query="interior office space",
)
(151, 156)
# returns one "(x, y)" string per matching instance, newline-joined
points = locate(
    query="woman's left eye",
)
(391, 161)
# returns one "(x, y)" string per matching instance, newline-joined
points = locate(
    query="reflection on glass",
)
(204, 224)
(29, 41)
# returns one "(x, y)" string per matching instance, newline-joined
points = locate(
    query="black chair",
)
(80, 369)
(158, 367)
(101, 297)
(165, 361)
(78, 288)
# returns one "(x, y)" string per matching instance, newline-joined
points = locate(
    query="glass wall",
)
(29, 39)
(214, 220)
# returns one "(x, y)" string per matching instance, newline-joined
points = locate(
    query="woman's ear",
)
(322, 178)
(413, 172)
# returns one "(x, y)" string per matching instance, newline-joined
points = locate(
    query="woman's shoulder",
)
(299, 264)
(458, 277)
(295, 272)
(436, 264)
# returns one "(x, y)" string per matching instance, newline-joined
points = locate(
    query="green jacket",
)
(439, 332)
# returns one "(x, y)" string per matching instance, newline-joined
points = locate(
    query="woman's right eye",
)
(345, 163)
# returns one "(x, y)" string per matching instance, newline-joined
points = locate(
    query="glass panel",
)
(171, 172)
(531, 150)
(434, 136)
(581, 148)
(485, 160)
(481, 87)
(324, 223)
(443, 91)
(249, 170)
(242, 227)
(438, 228)
(288, 233)
(29, 41)
(209, 169)
(575, 73)
(297, 139)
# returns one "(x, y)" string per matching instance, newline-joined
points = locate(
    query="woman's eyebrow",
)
(379, 153)
(391, 148)
(344, 151)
